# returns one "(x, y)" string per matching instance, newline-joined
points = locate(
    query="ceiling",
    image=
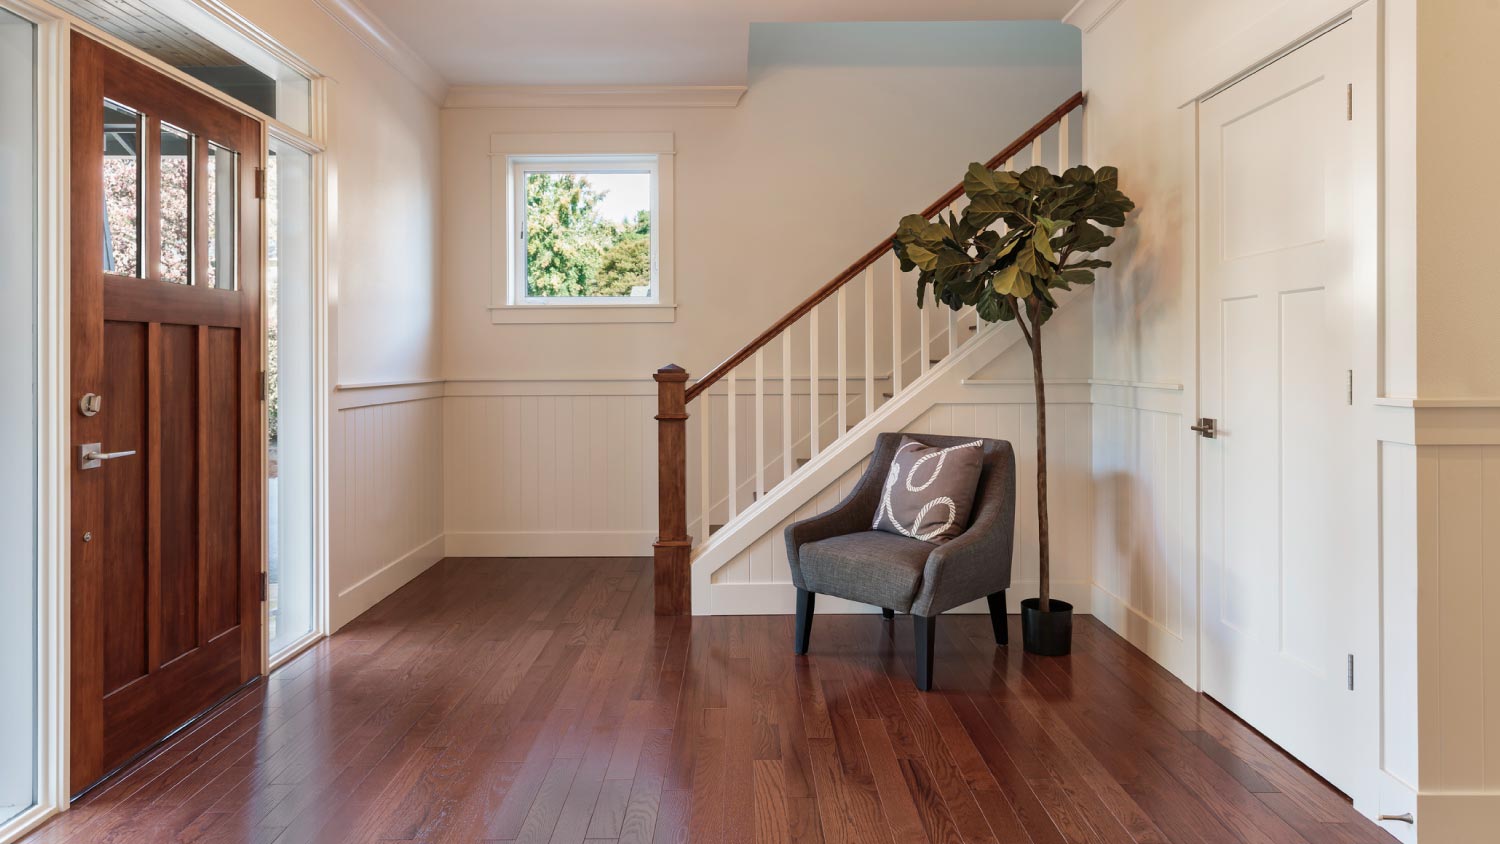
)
(637, 42)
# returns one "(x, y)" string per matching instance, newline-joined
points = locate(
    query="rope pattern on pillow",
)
(894, 477)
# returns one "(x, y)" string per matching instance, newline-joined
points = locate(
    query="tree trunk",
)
(1044, 567)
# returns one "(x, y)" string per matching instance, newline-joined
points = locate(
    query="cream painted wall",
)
(837, 137)
(383, 144)
(1458, 346)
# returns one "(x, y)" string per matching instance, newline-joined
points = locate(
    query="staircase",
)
(766, 437)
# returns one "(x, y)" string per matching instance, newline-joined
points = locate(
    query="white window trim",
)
(507, 153)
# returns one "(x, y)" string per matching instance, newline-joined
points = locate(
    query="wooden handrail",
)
(859, 266)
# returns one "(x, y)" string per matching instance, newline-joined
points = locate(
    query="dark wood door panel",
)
(167, 549)
(221, 491)
(124, 537)
(178, 483)
(139, 714)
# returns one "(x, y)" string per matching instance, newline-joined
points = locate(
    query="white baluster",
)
(734, 469)
(786, 403)
(952, 329)
(869, 342)
(1062, 144)
(1036, 153)
(705, 465)
(895, 325)
(760, 424)
(924, 330)
(814, 382)
(843, 362)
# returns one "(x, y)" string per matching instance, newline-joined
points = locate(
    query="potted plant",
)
(1021, 237)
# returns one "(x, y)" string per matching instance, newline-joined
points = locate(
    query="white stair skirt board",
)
(780, 599)
(551, 543)
(940, 383)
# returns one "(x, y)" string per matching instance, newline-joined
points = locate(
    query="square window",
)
(584, 230)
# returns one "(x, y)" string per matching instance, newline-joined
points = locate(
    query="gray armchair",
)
(836, 553)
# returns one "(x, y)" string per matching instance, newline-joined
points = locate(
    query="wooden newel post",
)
(673, 547)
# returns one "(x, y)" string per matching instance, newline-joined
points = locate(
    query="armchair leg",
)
(805, 600)
(997, 618)
(925, 627)
(887, 613)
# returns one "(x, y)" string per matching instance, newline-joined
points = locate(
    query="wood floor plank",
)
(542, 701)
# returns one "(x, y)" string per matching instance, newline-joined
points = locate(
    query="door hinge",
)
(264, 587)
(1351, 672)
(1349, 102)
(260, 183)
(1349, 388)
(262, 385)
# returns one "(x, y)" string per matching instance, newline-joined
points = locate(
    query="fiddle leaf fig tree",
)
(1022, 237)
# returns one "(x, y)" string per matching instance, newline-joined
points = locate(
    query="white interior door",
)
(1276, 335)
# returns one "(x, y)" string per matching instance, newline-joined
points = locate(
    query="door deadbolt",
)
(90, 403)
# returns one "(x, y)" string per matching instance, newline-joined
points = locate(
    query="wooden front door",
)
(166, 416)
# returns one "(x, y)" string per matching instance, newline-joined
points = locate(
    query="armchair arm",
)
(977, 562)
(852, 515)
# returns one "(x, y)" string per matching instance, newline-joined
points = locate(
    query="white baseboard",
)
(617, 543)
(355, 599)
(1178, 654)
(780, 599)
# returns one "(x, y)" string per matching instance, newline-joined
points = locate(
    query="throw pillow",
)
(929, 491)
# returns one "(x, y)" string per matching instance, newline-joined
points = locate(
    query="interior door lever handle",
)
(1206, 428)
(89, 455)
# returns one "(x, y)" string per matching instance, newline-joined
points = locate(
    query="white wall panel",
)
(565, 474)
(386, 501)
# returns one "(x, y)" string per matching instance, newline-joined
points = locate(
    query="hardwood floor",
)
(540, 700)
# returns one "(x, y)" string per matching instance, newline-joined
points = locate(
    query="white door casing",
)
(1277, 345)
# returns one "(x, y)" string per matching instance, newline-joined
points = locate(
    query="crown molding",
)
(1087, 14)
(594, 96)
(374, 34)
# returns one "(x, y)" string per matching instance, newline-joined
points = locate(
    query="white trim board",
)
(616, 543)
(375, 587)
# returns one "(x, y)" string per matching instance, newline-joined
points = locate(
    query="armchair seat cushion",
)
(872, 567)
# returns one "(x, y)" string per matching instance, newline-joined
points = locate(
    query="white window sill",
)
(569, 314)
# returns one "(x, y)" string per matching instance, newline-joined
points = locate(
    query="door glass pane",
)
(223, 167)
(289, 392)
(122, 190)
(176, 205)
(18, 559)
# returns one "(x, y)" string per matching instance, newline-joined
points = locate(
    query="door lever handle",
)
(1206, 428)
(89, 455)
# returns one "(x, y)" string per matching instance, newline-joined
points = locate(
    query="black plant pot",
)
(1047, 633)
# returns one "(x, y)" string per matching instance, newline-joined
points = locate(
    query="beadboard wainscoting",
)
(550, 468)
(1450, 603)
(386, 480)
(758, 580)
(1145, 573)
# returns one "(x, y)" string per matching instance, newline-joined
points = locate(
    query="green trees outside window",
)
(574, 250)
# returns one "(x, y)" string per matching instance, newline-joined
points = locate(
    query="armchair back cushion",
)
(929, 490)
